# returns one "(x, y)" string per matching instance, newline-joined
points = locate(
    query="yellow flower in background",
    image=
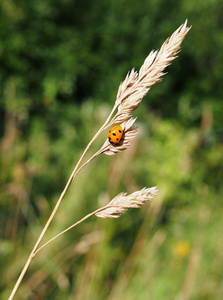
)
(181, 249)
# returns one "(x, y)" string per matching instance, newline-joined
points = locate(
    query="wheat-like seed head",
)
(136, 85)
(121, 202)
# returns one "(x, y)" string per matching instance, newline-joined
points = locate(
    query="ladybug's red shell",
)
(115, 135)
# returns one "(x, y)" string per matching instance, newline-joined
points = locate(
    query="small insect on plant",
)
(115, 135)
(130, 94)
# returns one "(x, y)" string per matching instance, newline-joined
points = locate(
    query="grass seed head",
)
(136, 85)
(122, 202)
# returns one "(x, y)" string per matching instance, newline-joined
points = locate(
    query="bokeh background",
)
(61, 62)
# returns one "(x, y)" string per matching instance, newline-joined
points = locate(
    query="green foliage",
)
(61, 64)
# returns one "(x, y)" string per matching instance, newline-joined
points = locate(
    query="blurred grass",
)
(61, 65)
(171, 247)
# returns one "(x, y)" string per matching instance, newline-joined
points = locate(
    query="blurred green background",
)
(61, 63)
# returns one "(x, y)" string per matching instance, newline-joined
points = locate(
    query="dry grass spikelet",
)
(136, 85)
(122, 202)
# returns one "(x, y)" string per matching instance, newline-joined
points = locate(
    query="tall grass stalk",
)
(130, 93)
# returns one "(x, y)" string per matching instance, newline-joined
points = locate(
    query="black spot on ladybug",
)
(120, 131)
(114, 134)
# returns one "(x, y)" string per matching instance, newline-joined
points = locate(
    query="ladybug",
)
(115, 135)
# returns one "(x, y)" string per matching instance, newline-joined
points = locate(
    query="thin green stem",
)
(69, 228)
(75, 171)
